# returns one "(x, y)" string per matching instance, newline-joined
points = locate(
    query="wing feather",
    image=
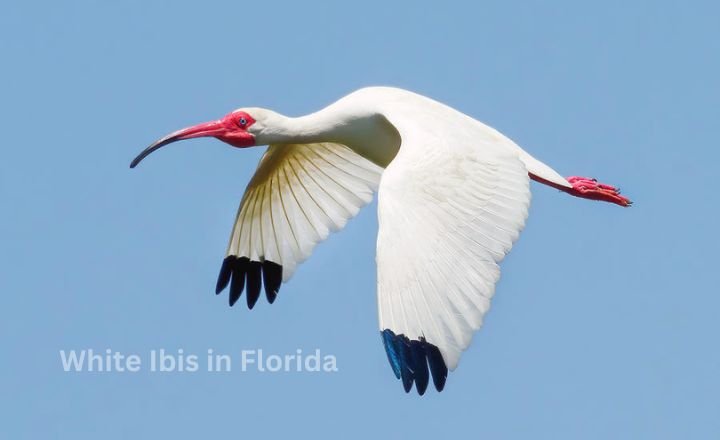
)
(298, 195)
(449, 210)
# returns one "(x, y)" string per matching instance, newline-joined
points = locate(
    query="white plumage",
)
(444, 226)
(298, 195)
(453, 198)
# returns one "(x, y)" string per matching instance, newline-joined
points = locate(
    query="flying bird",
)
(453, 196)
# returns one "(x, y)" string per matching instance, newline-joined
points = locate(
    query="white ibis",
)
(453, 195)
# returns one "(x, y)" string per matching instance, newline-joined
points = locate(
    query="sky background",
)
(605, 323)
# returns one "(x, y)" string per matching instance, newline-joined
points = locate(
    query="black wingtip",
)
(437, 366)
(243, 274)
(272, 279)
(422, 374)
(239, 270)
(410, 360)
(226, 271)
(254, 283)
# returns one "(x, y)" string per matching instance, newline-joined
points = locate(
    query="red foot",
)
(590, 189)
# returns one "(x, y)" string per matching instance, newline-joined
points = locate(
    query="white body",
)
(453, 197)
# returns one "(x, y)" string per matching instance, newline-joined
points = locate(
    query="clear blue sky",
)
(605, 324)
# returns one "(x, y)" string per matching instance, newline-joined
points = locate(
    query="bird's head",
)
(237, 128)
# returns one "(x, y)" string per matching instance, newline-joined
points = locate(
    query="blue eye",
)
(243, 121)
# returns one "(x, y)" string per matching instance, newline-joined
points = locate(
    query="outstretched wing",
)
(298, 195)
(450, 207)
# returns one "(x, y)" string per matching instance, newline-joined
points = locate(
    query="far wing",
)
(450, 208)
(298, 195)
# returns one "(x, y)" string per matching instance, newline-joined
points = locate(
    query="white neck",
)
(368, 134)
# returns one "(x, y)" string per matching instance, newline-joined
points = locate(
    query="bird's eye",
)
(243, 121)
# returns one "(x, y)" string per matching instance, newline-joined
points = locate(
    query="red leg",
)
(588, 188)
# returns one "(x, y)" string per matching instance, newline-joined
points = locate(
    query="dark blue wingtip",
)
(410, 359)
(389, 341)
